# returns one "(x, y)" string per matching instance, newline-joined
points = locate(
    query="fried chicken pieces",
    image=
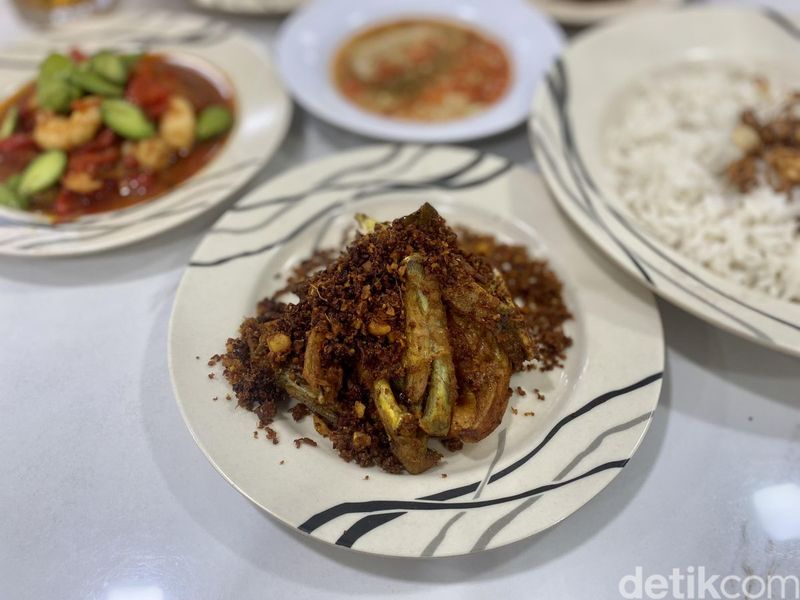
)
(403, 338)
(770, 150)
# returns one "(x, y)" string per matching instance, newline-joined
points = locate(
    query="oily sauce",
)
(154, 78)
(422, 69)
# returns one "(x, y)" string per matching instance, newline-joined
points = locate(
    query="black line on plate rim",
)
(743, 324)
(363, 526)
(380, 505)
(782, 21)
(494, 528)
(440, 497)
(632, 230)
(246, 253)
(385, 185)
(326, 184)
(439, 537)
(185, 205)
(592, 404)
(560, 97)
(444, 181)
(571, 153)
(602, 399)
(177, 207)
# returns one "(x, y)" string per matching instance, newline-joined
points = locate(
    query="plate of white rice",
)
(635, 131)
(580, 13)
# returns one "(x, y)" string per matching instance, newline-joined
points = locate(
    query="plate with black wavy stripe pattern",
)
(531, 472)
(566, 126)
(263, 113)
(579, 13)
(250, 7)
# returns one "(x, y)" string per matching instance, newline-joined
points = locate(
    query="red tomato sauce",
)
(424, 70)
(124, 183)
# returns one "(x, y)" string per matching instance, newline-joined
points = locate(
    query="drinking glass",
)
(54, 12)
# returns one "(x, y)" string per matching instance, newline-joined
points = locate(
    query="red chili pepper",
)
(17, 142)
(77, 55)
(27, 112)
(90, 162)
(66, 203)
(27, 120)
(147, 91)
(69, 205)
(105, 139)
(129, 162)
(16, 152)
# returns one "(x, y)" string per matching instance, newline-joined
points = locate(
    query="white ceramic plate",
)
(310, 38)
(596, 410)
(252, 7)
(570, 114)
(579, 13)
(263, 112)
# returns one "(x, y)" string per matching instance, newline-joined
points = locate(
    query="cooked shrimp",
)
(153, 153)
(177, 124)
(81, 182)
(54, 132)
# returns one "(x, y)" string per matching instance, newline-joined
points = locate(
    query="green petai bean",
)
(42, 172)
(126, 119)
(9, 123)
(213, 121)
(110, 66)
(93, 83)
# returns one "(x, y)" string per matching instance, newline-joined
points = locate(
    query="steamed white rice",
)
(668, 146)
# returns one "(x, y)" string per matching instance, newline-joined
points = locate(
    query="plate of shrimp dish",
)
(106, 145)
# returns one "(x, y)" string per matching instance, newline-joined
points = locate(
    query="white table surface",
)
(104, 494)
